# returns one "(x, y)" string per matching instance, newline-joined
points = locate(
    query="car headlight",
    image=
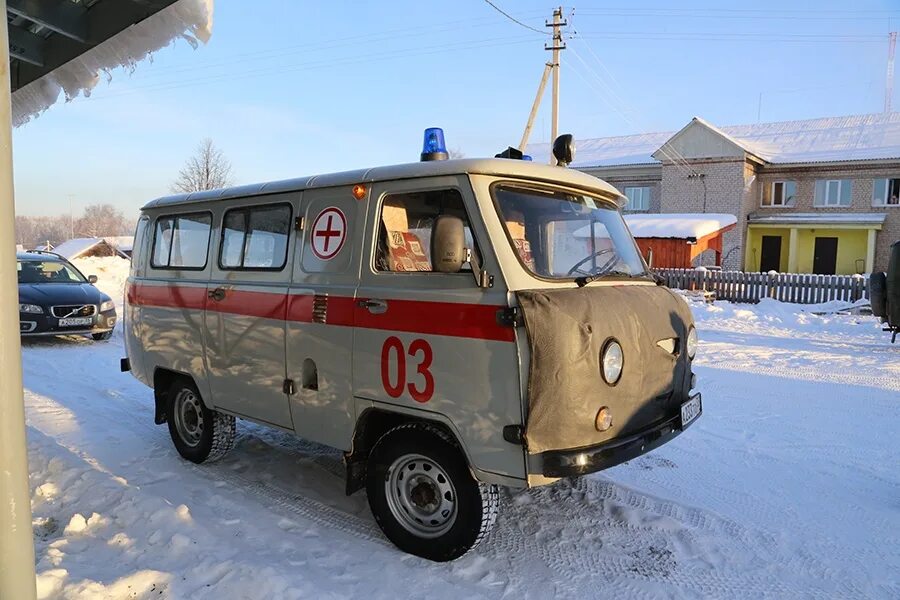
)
(612, 361)
(108, 305)
(31, 308)
(691, 345)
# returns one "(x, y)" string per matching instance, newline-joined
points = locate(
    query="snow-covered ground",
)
(787, 487)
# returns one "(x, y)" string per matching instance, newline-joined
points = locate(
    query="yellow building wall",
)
(754, 247)
(852, 245)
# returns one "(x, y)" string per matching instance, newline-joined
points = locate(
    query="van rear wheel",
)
(423, 496)
(200, 434)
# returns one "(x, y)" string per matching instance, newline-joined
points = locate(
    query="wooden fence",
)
(738, 286)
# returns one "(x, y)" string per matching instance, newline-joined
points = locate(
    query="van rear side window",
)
(181, 242)
(255, 238)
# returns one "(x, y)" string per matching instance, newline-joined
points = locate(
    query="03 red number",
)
(393, 351)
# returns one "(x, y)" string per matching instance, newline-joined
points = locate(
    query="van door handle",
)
(374, 306)
(217, 294)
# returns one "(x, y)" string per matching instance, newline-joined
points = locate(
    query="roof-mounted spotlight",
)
(564, 149)
(434, 148)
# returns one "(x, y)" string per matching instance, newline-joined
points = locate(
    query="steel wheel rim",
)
(188, 417)
(421, 496)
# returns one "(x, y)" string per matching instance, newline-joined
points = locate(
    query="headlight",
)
(31, 308)
(691, 345)
(612, 361)
(108, 305)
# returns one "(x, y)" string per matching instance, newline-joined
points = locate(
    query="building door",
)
(770, 256)
(825, 256)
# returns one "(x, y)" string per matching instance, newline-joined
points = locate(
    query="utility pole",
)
(889, 81)
(556, 45)
(71, 217)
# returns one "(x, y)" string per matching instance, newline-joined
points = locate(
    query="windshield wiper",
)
(583, 281)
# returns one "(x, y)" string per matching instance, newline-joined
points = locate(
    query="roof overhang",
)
(824, 220)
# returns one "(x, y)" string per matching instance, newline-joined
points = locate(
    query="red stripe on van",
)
(437, 318)
(477, 321)
(171, 296)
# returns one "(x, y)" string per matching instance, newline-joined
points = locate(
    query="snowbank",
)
(112, 275)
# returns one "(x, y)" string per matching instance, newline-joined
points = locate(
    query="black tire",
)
(99, 337)
(187, 414)
(474, 505)
(878, 294)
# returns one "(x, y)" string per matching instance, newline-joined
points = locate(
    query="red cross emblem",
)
(329, 231)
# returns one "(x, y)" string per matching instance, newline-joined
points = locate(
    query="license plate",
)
(690, 410)
(76, 322)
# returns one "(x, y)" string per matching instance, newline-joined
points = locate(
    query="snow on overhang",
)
(669, 225)
(190, 20)
(819, 219)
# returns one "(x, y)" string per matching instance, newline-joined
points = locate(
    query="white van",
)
(440, 322)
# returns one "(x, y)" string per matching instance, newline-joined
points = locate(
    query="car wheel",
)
(423, 496)
(99, 337)
(199, 433)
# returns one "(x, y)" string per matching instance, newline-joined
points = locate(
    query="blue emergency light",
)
(434, 148)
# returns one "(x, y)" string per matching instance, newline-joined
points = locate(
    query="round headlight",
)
(691, 345)
(612, 361)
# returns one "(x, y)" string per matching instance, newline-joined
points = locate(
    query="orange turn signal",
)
(359, 191)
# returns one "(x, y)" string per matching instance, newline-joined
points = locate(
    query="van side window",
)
(404, 231)
(181, 242)
(255, 238)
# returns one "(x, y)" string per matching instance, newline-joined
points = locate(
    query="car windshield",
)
(551, 232)
(48, 271)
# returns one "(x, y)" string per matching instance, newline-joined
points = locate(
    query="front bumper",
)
(42, 325)
(589, 459)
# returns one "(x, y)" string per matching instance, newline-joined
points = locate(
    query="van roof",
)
(480, 166)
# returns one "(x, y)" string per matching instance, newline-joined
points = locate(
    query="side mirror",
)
(92, 278)
(448, 244)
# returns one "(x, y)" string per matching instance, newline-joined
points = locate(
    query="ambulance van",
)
(451, 325)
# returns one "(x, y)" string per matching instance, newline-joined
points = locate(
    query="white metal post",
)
(16, 537)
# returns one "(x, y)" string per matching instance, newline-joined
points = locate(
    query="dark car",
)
(56, 299)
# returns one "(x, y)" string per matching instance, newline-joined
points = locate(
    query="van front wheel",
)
(422, 494)
(200, 434)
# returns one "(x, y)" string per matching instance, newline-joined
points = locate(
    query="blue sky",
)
(289, 88)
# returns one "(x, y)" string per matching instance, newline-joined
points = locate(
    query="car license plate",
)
(78, 321)
(690, 410)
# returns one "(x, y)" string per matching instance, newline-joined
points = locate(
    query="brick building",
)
(813, 196)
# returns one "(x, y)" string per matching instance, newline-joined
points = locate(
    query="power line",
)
(515, 20)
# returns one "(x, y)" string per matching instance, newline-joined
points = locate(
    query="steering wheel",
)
(576, 267)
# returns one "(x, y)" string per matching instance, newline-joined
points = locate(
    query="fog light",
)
(604, 419)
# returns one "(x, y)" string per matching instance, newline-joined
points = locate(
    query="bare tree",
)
(101, 220)
(34, 231)
(456, 153)
(208, 169)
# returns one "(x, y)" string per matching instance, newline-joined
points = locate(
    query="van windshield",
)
(551, 233)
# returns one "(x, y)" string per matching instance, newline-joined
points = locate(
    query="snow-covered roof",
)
(137, 39)
(856, 137)
(679, 226)
(20, 248)
(669, 225)
(125, 243)
(819, 218)
(80, 246)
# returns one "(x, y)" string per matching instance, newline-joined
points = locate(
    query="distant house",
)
(85, 247)
(811, 196)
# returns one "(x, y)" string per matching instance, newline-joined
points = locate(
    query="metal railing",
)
(800, 288)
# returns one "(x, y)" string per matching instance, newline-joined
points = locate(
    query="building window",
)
(886, 192)
(638, 198)
(255, 238)
(181, 242)
(780, 193)
(833, 192)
